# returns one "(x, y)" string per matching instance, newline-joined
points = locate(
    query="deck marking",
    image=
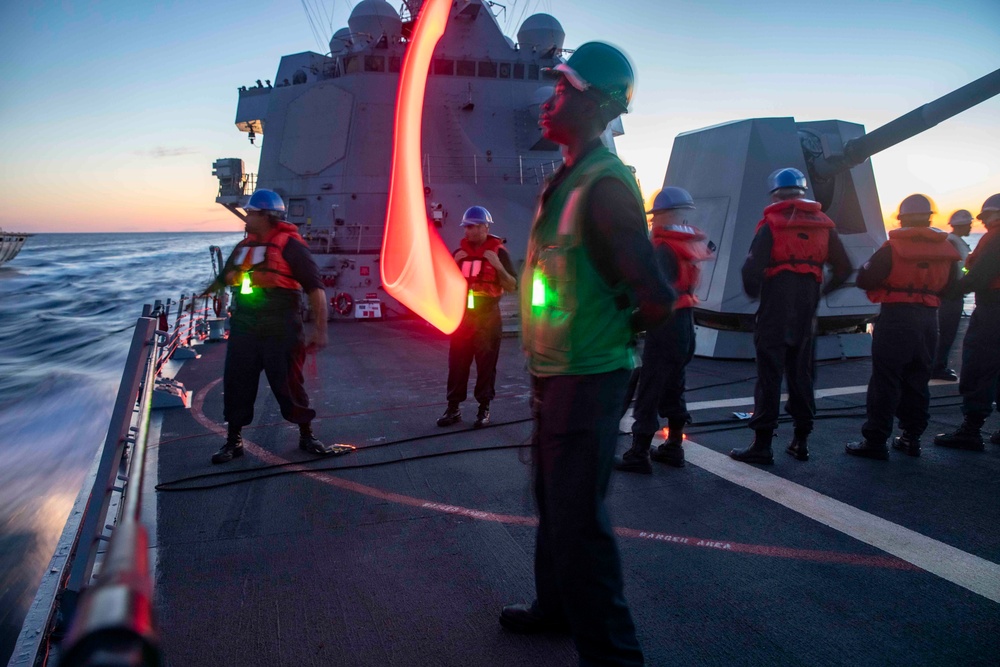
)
(258, 452)
(959, 567)
(819, 393)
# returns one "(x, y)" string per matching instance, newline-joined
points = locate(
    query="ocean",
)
(68, 304)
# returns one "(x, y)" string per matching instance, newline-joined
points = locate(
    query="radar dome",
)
(340, 42)
(373, 18)
(541, 33)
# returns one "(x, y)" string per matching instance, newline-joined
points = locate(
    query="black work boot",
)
(308, 442)
(907, 443)
(452, 415)
(868, 450)
(671, 451)
(233, 449)
(946, 374)
(799, 447)
(482, 417)
(636, 458)
(968, 436)
(759, 450)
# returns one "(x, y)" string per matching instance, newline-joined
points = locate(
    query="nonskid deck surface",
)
(409, 563)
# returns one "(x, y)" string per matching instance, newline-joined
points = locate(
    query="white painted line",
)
(964, 569)
(819, 393)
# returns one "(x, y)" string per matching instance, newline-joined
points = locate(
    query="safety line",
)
(255, 450)
(959, 567)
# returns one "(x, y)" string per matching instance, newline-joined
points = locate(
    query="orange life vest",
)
(980, 250)
(482, 277)
(689, 246)
(801, 233)
(922, 262)
(263, 259)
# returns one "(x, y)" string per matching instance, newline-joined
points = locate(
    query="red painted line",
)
(813, 555)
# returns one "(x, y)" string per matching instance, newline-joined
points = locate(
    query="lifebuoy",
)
(342, 303)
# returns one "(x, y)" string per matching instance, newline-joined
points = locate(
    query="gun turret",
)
(920, 119)
(725, 168)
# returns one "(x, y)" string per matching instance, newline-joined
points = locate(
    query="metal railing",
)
(518, 170)
(111, 619)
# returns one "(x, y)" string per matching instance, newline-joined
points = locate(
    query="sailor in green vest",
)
(590, 282)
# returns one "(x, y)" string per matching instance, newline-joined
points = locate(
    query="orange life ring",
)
(342, 303)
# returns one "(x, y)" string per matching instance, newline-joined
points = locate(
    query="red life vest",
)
(689, 246)
(980, 250)
(801, 233)
(922, 262)
(482, 277)
(263, 258)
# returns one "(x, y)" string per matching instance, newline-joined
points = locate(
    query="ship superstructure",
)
(327, 124)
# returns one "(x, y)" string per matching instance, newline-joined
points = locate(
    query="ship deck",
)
(403, 552)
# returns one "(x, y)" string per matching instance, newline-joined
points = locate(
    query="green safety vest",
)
(571, 319)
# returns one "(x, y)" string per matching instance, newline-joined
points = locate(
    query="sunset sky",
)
(112, 112)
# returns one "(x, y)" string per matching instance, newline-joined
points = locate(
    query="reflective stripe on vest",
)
(482, 276)
(262, 259)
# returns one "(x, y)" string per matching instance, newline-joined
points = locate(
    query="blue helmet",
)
(671, 198)
(266, 200)
(477, 215)
(789, 177)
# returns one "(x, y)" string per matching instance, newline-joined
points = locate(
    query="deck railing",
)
(113, 615)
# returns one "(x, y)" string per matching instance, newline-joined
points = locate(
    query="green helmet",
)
(600, 67)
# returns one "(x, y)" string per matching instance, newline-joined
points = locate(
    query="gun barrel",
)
(922, 118)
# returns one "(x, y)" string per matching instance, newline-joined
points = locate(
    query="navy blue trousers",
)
(904, 341)
(668, 350)
(477, 337)
(578, 577)
(280, 353)
(981, 362)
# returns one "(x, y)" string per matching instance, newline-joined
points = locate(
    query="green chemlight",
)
(246, 287)
(538, 289)
(471, 303)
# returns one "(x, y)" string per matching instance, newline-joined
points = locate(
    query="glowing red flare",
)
(417, 269)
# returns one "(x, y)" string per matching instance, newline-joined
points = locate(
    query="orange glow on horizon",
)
(416, 266)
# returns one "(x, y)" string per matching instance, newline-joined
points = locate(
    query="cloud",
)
(161, 152)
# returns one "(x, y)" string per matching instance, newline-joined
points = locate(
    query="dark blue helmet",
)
(266, 200)
(671, 198)
(789, 177)
(477, 215)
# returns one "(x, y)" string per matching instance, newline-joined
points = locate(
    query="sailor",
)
(679, 248)
(980, 351)
(784, 269)
(906, 275)
(593, 283)
(270, 270)
(950, 310)
(485, 263)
